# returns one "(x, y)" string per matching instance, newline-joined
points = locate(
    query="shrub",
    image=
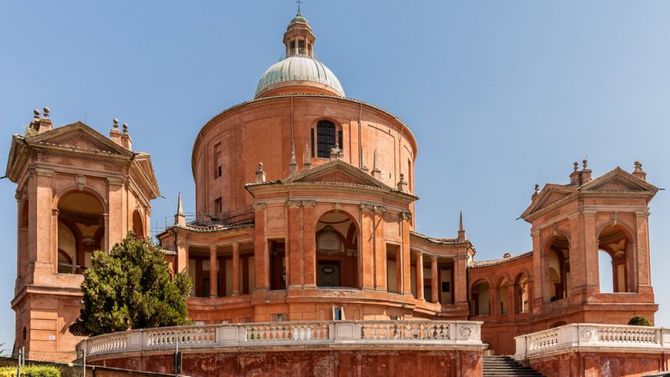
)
(31, 371)
(639, 321)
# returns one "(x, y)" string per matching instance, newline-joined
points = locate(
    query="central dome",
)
(299, 71)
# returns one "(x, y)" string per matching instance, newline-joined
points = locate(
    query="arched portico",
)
(337, 254)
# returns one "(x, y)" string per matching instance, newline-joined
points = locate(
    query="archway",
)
(481, 298)
(558, 274)
(138, 225)
(336, 250)
(613, 244)
(521, 294)
(81, 230)
(503, 297)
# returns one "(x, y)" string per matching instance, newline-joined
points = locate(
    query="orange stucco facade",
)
(305, 211)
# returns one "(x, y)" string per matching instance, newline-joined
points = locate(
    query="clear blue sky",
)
(500, 94)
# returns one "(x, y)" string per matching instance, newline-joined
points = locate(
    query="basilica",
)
(305, 214)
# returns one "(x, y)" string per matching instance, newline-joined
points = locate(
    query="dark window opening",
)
(325, 138)
(218, 205)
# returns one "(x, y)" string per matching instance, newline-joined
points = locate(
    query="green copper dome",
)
(297, 68)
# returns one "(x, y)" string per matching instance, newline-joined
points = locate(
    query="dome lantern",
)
(298, 38)
(299, 72)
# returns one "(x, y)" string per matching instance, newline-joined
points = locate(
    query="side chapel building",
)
(305, 211)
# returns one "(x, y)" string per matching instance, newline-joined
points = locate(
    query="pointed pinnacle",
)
(180, 208)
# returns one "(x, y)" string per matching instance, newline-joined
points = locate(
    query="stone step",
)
(505, 366)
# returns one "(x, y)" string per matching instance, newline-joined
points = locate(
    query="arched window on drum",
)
(324, 137)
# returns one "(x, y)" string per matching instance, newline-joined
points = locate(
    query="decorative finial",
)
(46, 110)
(179, 218)
(402, 184)
(461, 227)
(575, 166)
(638, 166)
(298, 2)
(537, 188)
(585, 164)
(125, 128)
(36, 113)
(180, 208)
(260, 173)
(115, 123)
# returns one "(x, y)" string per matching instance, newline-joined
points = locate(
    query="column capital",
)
(380, 209)
(293, 203)
(642, 212)
(367, 207)
(54, 211)
(308, 203)
(406, 215)
(213, 247)
(182, 243)
(42, 172)
(235, 244)
(115, 181)
(259, 206)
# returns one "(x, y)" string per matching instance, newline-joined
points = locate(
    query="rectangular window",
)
(218, 170)
(218, 206)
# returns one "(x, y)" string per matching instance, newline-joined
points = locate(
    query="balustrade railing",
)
(594, 337)
(452, 333)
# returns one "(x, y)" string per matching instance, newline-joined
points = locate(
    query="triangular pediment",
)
(550, 195)
(619, 181)
(81, 137)
(337, 171)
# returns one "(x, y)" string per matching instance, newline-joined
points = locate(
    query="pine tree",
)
(131, 287)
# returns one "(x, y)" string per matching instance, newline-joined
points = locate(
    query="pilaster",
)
(380, 275)
(295, 255)
(308, 244)
(261, 258)
(367, 259)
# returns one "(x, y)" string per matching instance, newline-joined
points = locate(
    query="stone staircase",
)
(506, 366)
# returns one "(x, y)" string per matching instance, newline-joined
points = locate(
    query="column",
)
(494, 309)
(511, 309)
(115, 210)
(54, 241)
(379, 249)
(309, 243)
(366, 248)
(261, 257)
(406, 254)
(40, 230)
(419, 275)
(213, 269)
(433, 280)
(293, 250)
(236, 269)
(460, 288)
(639, 277)
(538, 272)
(182, 256)
(588, 251)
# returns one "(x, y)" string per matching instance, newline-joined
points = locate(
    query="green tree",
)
(639, 321)
(131, 287)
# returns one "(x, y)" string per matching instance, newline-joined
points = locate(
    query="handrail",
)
(255, 334)
(592, 336)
